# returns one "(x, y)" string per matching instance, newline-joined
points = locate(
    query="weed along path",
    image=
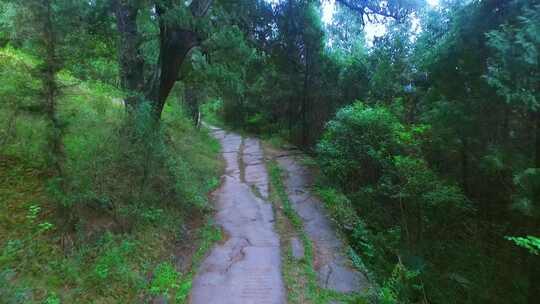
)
(330, 260)
(246, 266)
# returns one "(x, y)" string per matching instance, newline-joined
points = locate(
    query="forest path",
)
(330, 259)
(246, 267)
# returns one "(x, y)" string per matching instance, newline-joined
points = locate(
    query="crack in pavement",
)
(330, 269)
(238, 253)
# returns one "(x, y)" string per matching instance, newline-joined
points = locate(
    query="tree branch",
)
(199, 8)
(372, 8)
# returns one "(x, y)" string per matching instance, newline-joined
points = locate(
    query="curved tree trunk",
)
(174, 44)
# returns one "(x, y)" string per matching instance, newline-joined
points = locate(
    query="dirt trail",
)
(246, 268)
(331, 262)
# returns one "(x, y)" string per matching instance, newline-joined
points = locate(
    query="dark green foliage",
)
(358, 145)
(375, 160)
(513, 70)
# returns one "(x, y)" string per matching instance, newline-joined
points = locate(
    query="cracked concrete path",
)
(246, 268)
(330, 261)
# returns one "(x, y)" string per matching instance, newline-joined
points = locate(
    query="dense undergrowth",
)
(411, 228)
(110, 228)
(391, 198)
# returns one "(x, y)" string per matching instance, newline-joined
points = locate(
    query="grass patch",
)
(209, 235)
(169, 283)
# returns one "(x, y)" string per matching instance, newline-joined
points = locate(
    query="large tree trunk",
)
(305, 100)
(174, 44)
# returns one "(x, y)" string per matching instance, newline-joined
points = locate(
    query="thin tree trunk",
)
(55, 142)
(506, 127)
(465, 164)
(290, 117)
(130, 58)
(51, 90)
(191, 100)
(305, 130)
(290, 50)
(536, 116)
(405, 233)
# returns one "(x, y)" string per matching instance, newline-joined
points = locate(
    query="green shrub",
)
(165, 280)
(527, 183)
(23, 130)
(392, 203)
(427, 205)
(343, 213)
(358, 145)
(52, 299)
(111, 264)
(400, 286)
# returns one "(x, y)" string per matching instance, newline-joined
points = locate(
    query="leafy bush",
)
(527, 183)
(399, 286)
(166, 279)
(358, 145)
(392, 202)
(22, 129)
(111, 264)
(419, 188)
